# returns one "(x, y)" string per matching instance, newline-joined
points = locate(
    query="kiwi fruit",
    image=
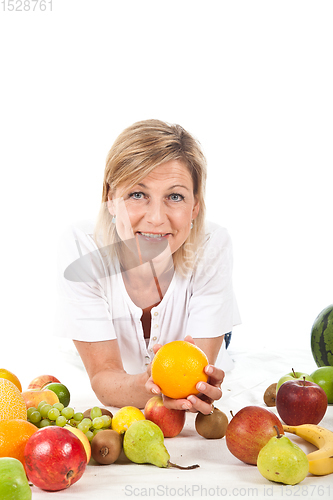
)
(270, 395)
(212, 426)
(104, 412)
(106, 446)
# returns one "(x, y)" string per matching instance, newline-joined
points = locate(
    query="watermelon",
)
(322, 337)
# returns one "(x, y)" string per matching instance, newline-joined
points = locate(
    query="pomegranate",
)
(54, 459)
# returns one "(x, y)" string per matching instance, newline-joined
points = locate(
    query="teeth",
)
(152, 235)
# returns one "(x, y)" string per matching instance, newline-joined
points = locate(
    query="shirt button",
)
(155, 313)
(151, 350)
(156, 325)
(154, 338)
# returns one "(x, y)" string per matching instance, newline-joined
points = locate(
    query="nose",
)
(156, 212)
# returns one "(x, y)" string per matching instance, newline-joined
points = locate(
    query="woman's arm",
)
(210, 347)
(111, 384)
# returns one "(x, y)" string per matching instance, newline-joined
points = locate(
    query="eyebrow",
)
(171, 187)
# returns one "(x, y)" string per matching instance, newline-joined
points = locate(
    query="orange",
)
(177, 367)
(12, 404)
(14, 435)
(10, 376)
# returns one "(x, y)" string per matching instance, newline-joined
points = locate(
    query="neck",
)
(146, 286)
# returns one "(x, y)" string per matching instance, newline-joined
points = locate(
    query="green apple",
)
(293, 376)
(13, 480)
(323, 376)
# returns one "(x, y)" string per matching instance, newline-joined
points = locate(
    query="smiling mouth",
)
(153, 235)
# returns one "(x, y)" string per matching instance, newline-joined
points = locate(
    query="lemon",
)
(124, 417)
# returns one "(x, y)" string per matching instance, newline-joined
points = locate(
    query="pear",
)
(144, 444)
(282, 461)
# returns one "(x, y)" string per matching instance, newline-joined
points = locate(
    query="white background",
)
(252, 80)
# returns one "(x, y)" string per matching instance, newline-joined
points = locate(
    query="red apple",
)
(249, 430)
(301, 402)
(55, 458)
(171, 422)
(39, 382)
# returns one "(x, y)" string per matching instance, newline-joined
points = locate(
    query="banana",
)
(321, 460)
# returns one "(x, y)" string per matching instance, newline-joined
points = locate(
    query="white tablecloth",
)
(220, 474)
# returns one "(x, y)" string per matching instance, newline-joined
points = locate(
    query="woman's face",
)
(158, 209)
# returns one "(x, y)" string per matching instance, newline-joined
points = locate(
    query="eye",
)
(137, 195)
(176, 197)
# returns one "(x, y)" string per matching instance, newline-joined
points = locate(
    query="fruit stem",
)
(232, 414)
(277, 430)
(170, 464)
(304, 382)
(294, 374)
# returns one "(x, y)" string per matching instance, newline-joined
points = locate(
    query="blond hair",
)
(135, 153)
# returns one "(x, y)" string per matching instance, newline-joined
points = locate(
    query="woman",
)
(150, 271)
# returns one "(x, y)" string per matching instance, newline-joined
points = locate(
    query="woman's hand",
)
(210, 391)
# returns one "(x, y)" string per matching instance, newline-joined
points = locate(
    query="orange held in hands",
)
(12, 404)
(14, 435)
(177, 367)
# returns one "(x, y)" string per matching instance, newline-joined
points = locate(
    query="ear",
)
(195, 210)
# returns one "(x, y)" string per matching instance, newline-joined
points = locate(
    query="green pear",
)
(144, 444)
(13, 480)
(282, 461)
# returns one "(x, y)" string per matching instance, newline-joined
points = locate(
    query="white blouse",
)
(93, 303)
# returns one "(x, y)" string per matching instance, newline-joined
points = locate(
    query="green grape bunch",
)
(57, 414)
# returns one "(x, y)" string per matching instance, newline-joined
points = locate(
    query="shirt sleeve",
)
(83, 311)
(213, 309)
